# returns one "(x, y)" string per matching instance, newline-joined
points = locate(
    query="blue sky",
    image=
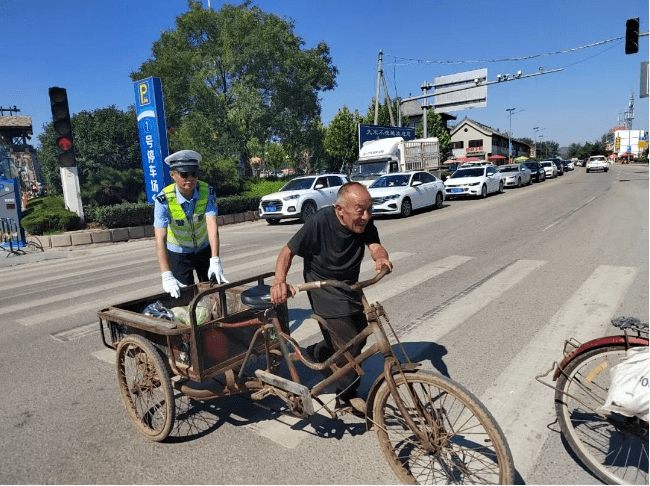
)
(92, 53)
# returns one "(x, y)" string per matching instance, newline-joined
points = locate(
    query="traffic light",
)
(62, 127)
(632, 36)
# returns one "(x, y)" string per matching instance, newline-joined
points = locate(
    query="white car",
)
(301, 197)
(474, 181)
(402, 192)
(516, 175)
(550, 169)
(597, 162)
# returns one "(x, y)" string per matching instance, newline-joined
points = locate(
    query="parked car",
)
(301, 197)
(402, 192)
(515, 175)
(550, 168)
(568, 165)
(474, 181)
(560, 166)
(537, 171)
(597, 162)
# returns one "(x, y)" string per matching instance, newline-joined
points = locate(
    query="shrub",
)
(48, 214)
(237, 204)
(123, 215)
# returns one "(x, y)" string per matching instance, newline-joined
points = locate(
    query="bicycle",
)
(611, 446)
(431, 429)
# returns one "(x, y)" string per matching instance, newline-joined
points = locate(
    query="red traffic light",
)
(62, 127)
(65, 144)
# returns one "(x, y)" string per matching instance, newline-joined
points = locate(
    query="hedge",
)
(44, 215)
(48, 214)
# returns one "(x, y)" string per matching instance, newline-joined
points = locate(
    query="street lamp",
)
(536, 129)
(510, 110)
(540, 142)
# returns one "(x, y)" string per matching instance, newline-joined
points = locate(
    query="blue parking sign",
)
(150, 114)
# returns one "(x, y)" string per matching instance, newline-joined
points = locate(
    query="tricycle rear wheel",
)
(145, 387)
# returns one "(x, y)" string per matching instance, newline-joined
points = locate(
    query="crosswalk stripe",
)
(308, 328)
(520, 404)
(445, 318)
(71, 295)
(76, 333)
(93, 269)
(401, 283)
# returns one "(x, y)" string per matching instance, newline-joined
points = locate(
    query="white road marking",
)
(309, 327)
(77, 332)
(432, 329)
(105, 354)
(521, 405)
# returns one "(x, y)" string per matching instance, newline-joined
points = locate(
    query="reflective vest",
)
(184, 232)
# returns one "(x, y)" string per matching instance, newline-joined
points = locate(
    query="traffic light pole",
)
(71, 192)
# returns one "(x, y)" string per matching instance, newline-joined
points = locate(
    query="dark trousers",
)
(340, 331)
(182, 265)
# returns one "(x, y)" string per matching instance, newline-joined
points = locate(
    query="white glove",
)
(216, 271)
(171, 285)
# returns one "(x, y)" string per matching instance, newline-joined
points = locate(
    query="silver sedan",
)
(516, 175)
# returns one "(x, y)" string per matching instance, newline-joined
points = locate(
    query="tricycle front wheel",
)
(145, 387)
(462, 443)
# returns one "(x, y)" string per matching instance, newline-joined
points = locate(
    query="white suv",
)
(301, 197)
(474, 181)
(597, 162)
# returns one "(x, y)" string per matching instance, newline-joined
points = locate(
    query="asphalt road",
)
(483, 290)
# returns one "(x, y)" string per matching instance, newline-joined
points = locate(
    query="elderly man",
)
(185, 226)
(332, 245)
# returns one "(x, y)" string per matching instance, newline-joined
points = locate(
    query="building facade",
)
(621, 141)
(470, 138)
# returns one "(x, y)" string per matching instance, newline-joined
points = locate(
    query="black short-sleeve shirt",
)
(331, 251)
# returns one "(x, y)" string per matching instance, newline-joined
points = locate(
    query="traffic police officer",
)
(185, 226)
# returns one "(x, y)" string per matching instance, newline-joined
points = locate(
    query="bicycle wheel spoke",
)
(453, 445)
(612, 447)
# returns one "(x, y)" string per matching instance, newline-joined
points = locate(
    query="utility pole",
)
(382, 80)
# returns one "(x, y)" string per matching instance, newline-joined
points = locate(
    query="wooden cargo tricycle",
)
(431, 429)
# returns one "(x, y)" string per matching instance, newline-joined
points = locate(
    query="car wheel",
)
(519, 182)
(587, 171)
(406, 207)
(501, 187)
(483, 191)
(308, 210)
(273, 221)
(439, 200)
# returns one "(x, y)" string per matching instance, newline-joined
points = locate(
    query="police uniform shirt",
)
(161, 214)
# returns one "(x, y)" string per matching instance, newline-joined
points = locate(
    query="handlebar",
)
(342, 285)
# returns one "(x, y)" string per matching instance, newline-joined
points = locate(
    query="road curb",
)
(84, 238)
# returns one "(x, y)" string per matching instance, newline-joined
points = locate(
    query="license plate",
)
(456, 190)
(271, 209)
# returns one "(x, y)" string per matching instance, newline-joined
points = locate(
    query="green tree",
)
(103, 138)
(435, 128)
(342, 137)
(238, 74)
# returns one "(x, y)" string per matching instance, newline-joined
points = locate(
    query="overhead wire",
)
(406, 60)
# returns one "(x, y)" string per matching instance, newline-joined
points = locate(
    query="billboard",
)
(460, 91)
(375, 132)
(150, 114)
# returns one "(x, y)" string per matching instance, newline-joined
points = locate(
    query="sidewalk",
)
(53, 247)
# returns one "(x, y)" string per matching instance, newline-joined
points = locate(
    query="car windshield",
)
(599, 159)
(298, 184)
(531, 165)
(509, 168)
(400, 180)
(546, 164)
(475, 172)
(361, 171)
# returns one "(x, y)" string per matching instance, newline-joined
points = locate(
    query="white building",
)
(621, 141)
